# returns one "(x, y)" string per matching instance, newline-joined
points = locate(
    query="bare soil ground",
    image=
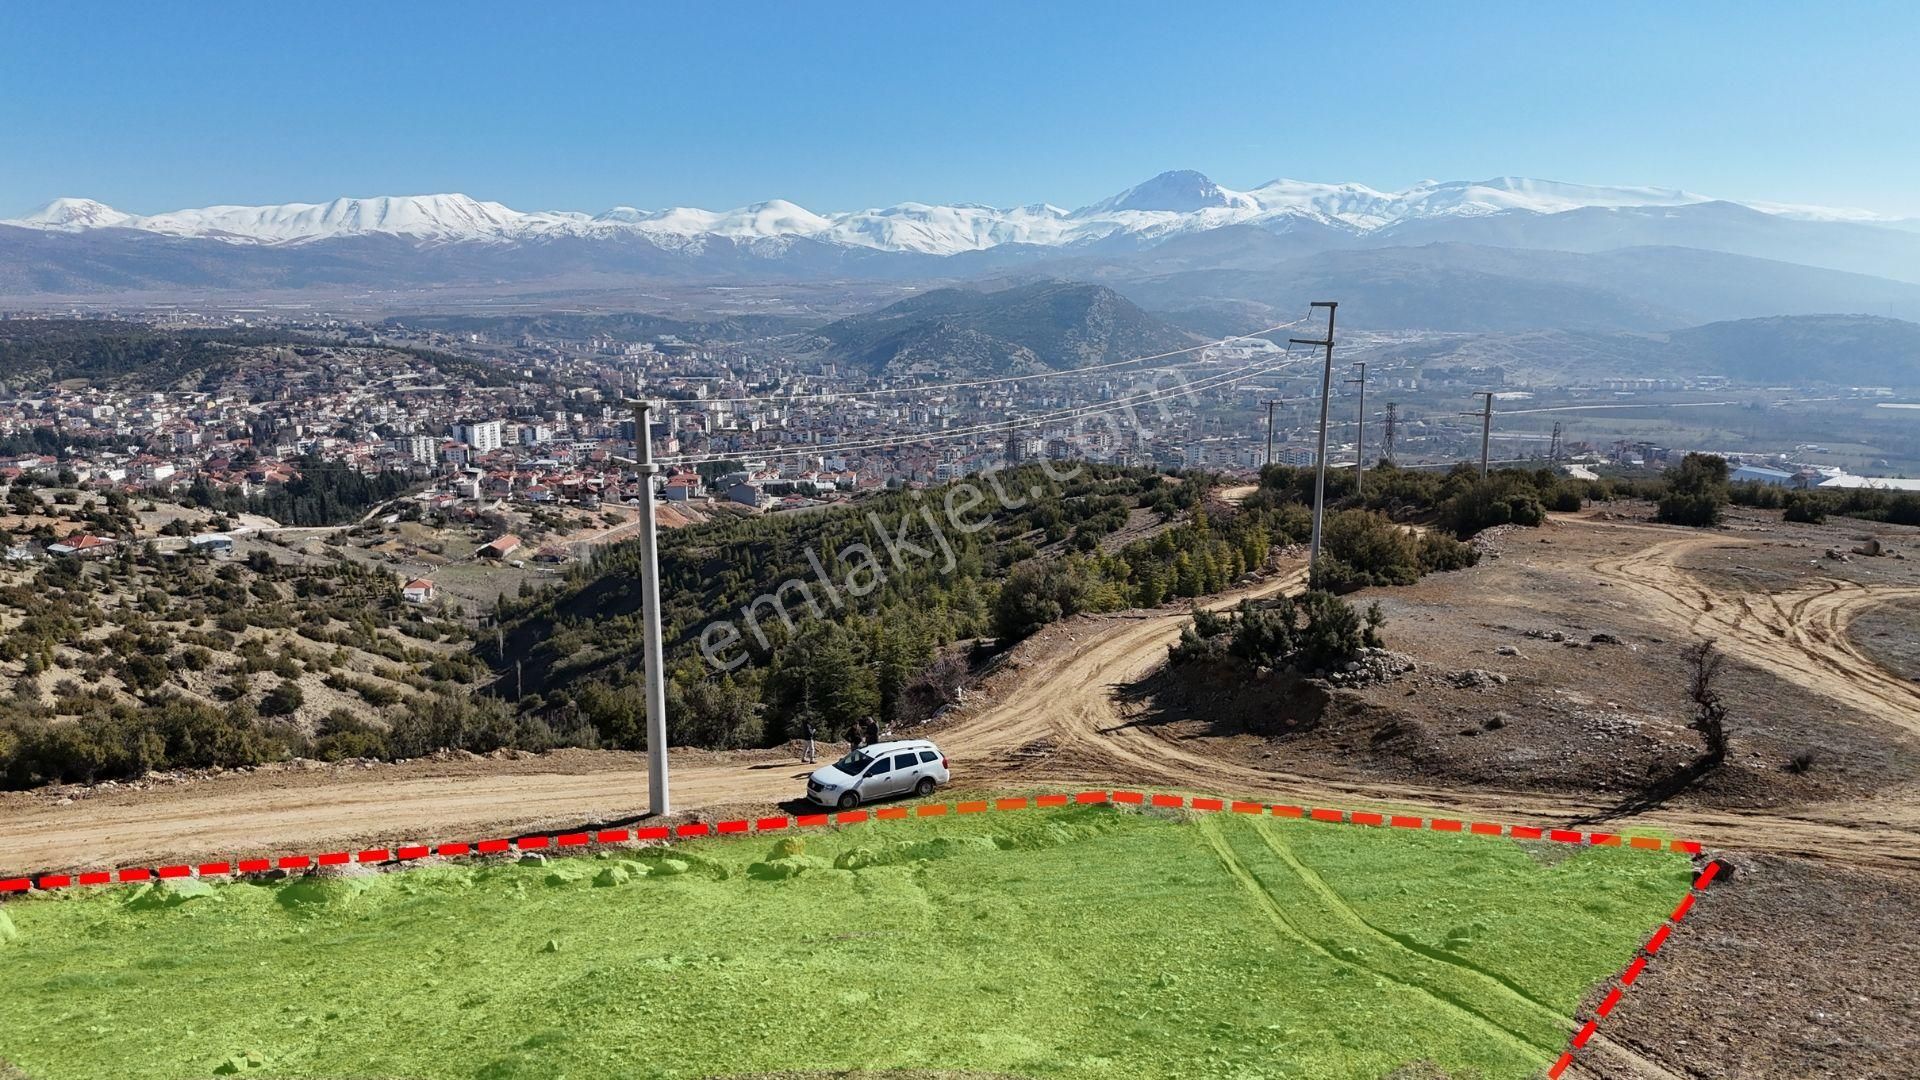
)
(1581, 625)
(1803, 964)
(1889, 635)
(1792, 968)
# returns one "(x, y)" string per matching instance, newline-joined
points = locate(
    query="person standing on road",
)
(807, 752)
(873, 731)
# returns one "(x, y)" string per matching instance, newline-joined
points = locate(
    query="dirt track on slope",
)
(1799, 635)
(1048, 719)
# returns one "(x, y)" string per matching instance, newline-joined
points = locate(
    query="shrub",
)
(144, 671)
(1361, 548)
(1034, 595)
(1696, 491)
(1503, 498)
(715, 713)
(282, 700)
(1313, 631)
(343, 735)
(113, 742)
(1804, 507)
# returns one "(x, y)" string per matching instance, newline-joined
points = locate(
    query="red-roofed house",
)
(82, 545)
(499, 549)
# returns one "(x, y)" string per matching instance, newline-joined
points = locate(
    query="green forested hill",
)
(576, 651)
(36, 352)
(39, 351)
(1049, 325)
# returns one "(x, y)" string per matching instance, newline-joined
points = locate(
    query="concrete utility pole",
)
(654, 657)
(1360, 437)
(1320, 459)
(1486, 428)
(1270, 405)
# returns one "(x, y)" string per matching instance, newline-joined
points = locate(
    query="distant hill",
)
(1799, 350)
(1857, 350)
(1465, 287)
(37, 352)
(1044, 326)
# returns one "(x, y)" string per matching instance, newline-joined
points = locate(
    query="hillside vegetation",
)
(866, 634)
(1049, 325)
(1860, 349)
(38, 352)
(144, 661)
(774, 623)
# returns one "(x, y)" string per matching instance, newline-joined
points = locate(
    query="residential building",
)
(481, 436)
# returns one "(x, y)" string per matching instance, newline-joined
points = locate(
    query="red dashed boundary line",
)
(694, 829)
(242, 868)
(1648, 949)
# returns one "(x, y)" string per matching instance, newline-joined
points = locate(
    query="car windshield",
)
(852, 763)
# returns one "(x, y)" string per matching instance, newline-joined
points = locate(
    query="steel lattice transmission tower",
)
(1393, 425)
(1554, 449)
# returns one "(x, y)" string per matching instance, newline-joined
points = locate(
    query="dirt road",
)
(1052, 723)
(1800, 635)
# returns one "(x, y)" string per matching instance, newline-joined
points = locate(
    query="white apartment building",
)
(424, 449)
(480, 435)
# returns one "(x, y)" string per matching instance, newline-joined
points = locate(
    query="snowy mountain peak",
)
(1180, 191)
(72, 215)
(1172, 203)
(437, 217)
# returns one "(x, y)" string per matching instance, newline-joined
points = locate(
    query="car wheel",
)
(924, 788)
(849, 800)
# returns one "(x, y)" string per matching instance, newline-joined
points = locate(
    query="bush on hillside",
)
(1503, 498)
(283, 700)
(117, 742)
(1313, 631)
(343, 735)
(1360, 548)
(1696, 493)
(1034, 595)
(1805, 507)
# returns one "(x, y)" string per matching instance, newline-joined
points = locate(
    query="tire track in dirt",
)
(1798, 636)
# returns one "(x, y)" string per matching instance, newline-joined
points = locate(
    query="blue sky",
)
(844, 105)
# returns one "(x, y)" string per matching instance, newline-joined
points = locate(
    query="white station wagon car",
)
(906, 766)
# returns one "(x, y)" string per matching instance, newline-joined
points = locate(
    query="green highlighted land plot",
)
(1089, 942)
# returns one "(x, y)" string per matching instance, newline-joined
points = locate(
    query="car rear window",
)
(927, 755)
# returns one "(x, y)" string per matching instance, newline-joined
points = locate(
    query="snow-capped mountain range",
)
(1168, 205)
